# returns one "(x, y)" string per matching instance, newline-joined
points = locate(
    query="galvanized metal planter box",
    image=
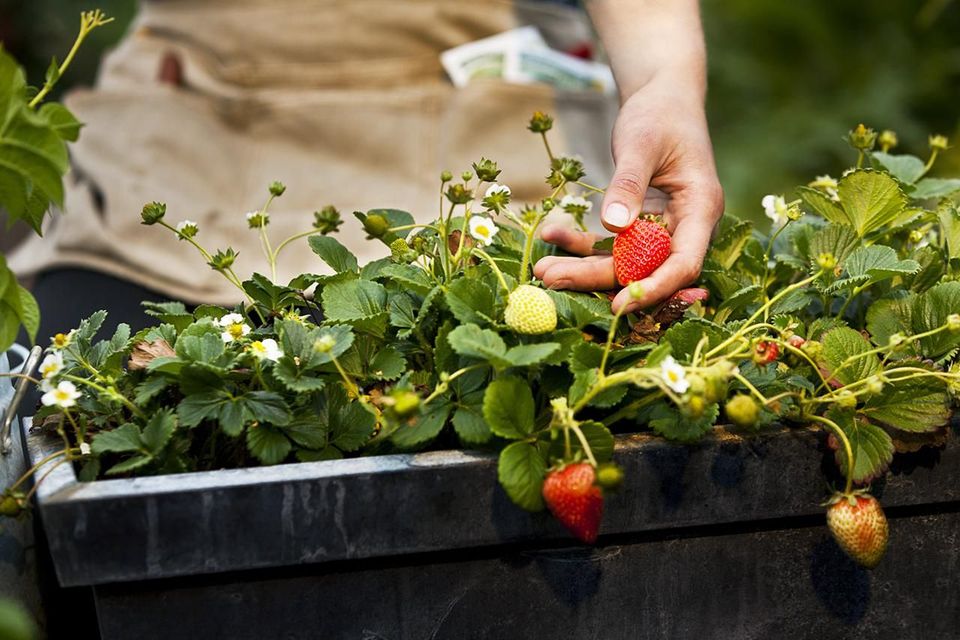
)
(722, 539)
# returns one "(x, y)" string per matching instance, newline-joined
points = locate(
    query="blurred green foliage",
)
(787, 79)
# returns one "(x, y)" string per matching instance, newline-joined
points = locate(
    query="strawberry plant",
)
(844, 319)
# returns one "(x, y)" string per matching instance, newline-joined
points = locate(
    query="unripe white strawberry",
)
(530, 310)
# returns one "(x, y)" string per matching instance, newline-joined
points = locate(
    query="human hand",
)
(664, 163)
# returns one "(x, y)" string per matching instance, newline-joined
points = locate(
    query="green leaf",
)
(387, 364)
(526, 355)
(668, 422)
(468, 420)
(949, 217)
(916, 405)
(268, 445)
(846, 348)
(473, 342)
(198, 407)
(61, 121)
(267, 407)
(935, 188)
(351, 425)
(821, 204)
(726, 249)
(130, 464)
(408, 277)
(295, 377)
(838, 239)
(683, 337)
(150, 388)
(508, 407)
(424, 429)
(871, 199)
(353, 300)
(123, 439)
(888, 316)
(159, 430)
(878, 262)
(930, 311)
(872, 446)
(905, 168)
(334, 254)
(584, 380)
(470, 301)
(521, 471)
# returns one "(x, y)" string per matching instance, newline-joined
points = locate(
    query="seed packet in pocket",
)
(563, 71)
(488, 58)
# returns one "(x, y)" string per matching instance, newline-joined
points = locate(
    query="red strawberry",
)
(575, 500)
(640, 249)
(858, 525)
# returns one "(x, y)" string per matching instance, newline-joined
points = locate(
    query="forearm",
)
(651, 41)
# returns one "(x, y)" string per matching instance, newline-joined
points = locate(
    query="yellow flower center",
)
(60, 341)
(258, 347)
(235, 330)
(482, 231)
(61, 395)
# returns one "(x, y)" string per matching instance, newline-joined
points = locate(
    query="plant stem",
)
(113, 393)
(583, 443)
(32, 470)
(546, 144)
(493, 265)
(530, 232)
(846, 445)
(610, 335)
(590, 187)
(89, 20)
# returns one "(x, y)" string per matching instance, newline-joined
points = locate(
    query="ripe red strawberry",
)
(640, 249)
(858, 525)
(575, 500)
(765, 352)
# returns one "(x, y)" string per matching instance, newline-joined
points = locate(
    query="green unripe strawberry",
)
(609, 476)
(11, 506)
(530, 310)
(742, 410)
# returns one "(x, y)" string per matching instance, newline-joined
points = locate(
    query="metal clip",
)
(26, 369)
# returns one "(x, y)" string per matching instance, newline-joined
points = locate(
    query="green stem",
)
(546, 144)
(610, 335)
(752, 389)
(846, 445)
(134, 409)
(293, 238)
(352, 388)
(493, 265)
(929, 165)
(583, 443)
(89, 20)
(590, 187)
(766, 264)
(32, 470)
(530, 232)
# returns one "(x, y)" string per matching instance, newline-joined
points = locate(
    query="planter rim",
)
(209, 522)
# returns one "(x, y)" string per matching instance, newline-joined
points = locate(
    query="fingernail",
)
(616, 214)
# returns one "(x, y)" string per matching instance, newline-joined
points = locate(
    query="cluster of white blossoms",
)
(62, 394)
(234, 327)
(483, 228)
(575, 204)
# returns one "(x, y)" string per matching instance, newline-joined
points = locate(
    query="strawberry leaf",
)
(521, 471)
(872, 446)
(508, 408)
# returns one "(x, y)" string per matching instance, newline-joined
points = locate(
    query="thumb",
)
(623, 201)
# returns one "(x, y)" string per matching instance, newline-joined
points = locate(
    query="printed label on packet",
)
(560, 70)
(489, 57)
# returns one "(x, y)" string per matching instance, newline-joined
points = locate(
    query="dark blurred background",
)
(787, 79)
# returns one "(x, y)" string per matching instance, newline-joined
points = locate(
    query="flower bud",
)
(446, 176)
(153, 212)
(400, 252)
(487, 170)
(258, 219)
(459, 194)
(547, 204)
(324, 344)
(223, 260)
(571, 169)
(693, 406)
(466, 176)
(12, 505)
(635, 289)
(827, 261)
(846, 399)
(277, 189)
(888, 140)
(813, 348)
(896, 339)
(875, 385)
(953, 322)
(862, 138)
(916, 236)
(404, 403)
(327, 220)
(938, 142)
(540, 122)
(187, 229)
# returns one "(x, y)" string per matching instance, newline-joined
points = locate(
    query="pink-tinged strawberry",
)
(640, 249)
(765, 352)
(858, 525)
(573, 497)
(796, 341)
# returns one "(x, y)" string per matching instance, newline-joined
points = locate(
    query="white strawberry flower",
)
(776, 209)
(51, 365)
(234, 327)
(674, 375)
(483, 229)
(575, 204)
(85, 449)
(64, 395)
(267, 349)
(497, 189)
(257, 219)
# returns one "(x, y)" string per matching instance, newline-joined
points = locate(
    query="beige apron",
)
(344, 101)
